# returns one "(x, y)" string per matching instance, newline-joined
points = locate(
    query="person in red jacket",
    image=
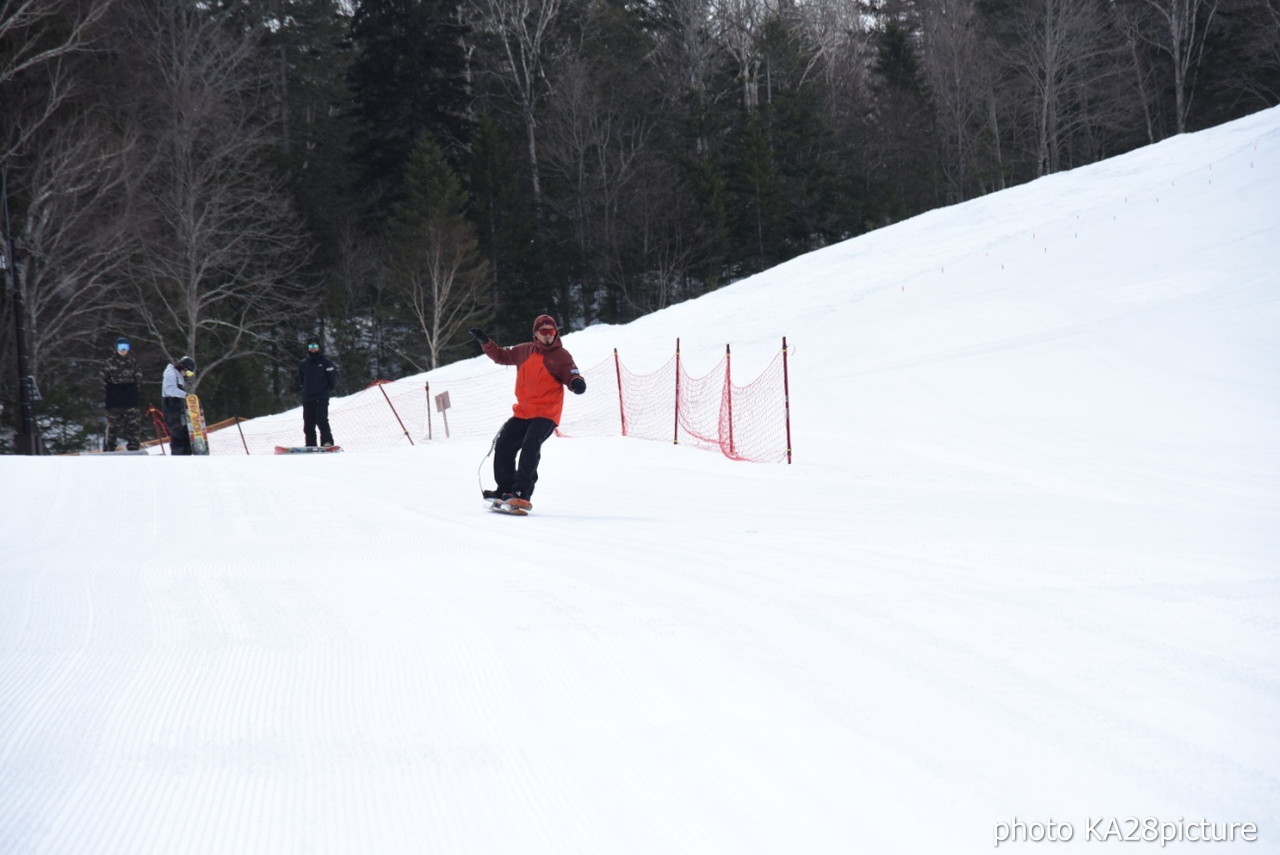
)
(543, 369)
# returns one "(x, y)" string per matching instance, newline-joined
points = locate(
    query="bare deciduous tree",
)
(36, 39)
(40, 42)
(446, 284)
(1128, 22)
(76, 239)
(1179, 33)
(737, 25)
(523, 31)
(1056, 52)
(838, 29)
(961, 76)
(435, 259)
(688, 53)
(595, 143)
(37, 32)
(221, 250)
(669, 247)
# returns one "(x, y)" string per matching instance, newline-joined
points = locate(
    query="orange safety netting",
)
(748, 422)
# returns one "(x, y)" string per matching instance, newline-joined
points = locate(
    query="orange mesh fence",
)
(648, 402)
(743, 422)
(754, 421)
(699, 401)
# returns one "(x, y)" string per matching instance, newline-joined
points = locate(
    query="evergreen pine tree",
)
(409, 78)
(502, 211)
(907, 154)
(436, 265)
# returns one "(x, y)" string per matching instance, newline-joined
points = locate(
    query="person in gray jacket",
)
(174, 404)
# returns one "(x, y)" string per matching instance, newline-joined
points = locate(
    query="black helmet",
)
(186, 363)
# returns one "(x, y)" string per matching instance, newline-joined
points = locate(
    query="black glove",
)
(578, 385)
(478, 334)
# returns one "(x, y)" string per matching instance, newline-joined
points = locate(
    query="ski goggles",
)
(313, 347)
(547, 331)
(122, 348)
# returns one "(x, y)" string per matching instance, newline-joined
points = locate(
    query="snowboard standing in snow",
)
(195, 424)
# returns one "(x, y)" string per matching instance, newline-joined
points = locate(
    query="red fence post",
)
(379, 384)
(622, 408)
(675, 438)
(162, 430)
(728, 395)
(427, 390)
(786, 396)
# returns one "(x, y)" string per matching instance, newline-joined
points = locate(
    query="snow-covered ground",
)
(1023, 578)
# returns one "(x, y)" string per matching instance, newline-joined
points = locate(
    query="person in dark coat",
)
(543, 369)
(121, 398)
(317, 378)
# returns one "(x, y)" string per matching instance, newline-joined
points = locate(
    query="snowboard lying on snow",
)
(305, 449)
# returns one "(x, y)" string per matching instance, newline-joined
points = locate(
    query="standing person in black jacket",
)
(317, 378)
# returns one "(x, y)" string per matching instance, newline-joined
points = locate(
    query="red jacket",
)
(542, 373)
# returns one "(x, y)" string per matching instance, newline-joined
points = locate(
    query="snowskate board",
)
(501, 507)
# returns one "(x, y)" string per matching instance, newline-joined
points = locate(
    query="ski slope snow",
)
(1021, 579)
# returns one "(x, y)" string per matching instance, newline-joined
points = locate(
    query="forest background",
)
(223, 179)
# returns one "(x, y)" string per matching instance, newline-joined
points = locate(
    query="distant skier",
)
(544, 368)
(317, 378)
(173, 394)
(122, 399)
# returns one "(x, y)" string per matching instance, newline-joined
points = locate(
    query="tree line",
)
(221, 178)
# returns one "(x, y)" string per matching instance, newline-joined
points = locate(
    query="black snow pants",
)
(175, 419)
(315, 414)
(523, 437)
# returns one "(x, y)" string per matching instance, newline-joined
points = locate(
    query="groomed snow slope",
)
(1024, 566)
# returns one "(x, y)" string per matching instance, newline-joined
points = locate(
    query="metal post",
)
(28, 441)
